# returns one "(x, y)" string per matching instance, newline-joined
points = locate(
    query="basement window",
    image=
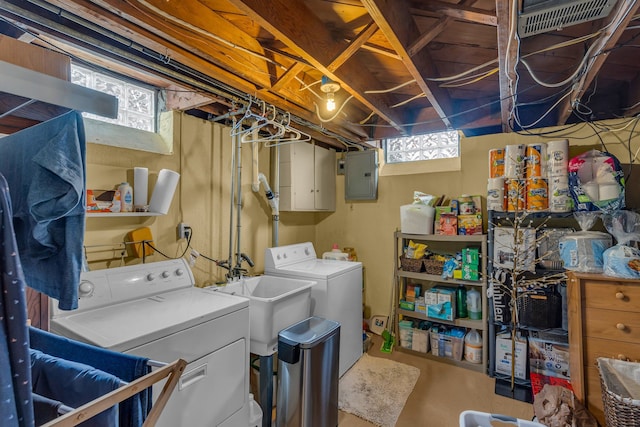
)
(431, 146)
(136, 103)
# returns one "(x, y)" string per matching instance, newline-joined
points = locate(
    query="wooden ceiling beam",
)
(399, 28)
(302, 31)
(354, 46)
(432, 33)
(288, 76)
(507, 58)
(127, 23)
(622, 14)
(457, 11)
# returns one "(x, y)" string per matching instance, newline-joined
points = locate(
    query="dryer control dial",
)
(85, 289)
(165, 274)
(179, 272)
(151, 277)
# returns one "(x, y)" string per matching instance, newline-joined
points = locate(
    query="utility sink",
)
(275, 303)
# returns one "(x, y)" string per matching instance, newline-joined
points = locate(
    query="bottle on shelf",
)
(126, 197)
(474, 304)
(473, 347)
(461, 302)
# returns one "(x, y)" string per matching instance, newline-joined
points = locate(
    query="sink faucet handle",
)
(246, 258)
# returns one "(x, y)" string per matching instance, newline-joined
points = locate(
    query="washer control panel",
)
(281, 256)
(111, 286)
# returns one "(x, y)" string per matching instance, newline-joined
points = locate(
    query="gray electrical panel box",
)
(361, 175)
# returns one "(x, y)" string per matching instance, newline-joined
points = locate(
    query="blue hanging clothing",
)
(134, 410)
(16, 404)
(73, 384)
(45, 168)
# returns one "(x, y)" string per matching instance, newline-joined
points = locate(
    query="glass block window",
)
(441, 145)
(136, 104)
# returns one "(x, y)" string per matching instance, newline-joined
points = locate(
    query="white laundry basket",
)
(482, 419)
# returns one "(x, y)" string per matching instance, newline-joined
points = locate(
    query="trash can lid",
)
(309, 332)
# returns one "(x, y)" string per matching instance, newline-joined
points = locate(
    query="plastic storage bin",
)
(406, 333)
(482, 419)
(420, 340)
(447, 346)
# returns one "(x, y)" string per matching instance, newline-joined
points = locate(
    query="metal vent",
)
(543, 16)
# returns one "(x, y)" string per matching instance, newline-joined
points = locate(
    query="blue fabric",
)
(45, 409)
(134, 410)
(16, 405)
(73, 384)
(45, 168)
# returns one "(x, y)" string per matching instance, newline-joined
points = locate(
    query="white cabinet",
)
(307, 178)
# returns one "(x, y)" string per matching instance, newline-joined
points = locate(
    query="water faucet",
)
(245, 257)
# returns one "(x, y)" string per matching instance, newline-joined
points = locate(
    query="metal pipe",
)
(275, 162)
(232, 192)
(238, 200)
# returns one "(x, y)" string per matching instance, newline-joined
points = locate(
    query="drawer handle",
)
(620, 295)
(621, 326)
(623, 357)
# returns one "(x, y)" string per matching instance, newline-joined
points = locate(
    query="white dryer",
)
(154, 311)
(337, 295)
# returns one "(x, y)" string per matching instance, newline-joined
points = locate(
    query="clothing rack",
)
(79, 415)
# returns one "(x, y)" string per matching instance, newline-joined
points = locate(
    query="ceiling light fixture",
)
(329, 87)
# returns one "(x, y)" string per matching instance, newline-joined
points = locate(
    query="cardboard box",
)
(504, 248)
(445, 306)
(412, 292)
(439, 211)
(457, 274)
(549, 359)
(549, 353)
(407, 305)
(420, 306)
(471, 256)
(470, 272)
(470, 224)
(448, 224)
(504, 356)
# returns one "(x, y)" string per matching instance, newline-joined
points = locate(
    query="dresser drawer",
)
(612, 325)
(611, 296)
(597, 347)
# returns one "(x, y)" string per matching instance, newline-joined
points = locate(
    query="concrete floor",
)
(442, 392)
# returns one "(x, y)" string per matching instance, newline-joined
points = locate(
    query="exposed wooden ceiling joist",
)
(507, 59)
(314, 42)
(458, 11)
(398, 26)
(615, 26)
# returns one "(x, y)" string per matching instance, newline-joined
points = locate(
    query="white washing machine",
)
(154, 311)
(337, 296)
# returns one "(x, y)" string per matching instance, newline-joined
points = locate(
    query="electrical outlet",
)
(183, 230)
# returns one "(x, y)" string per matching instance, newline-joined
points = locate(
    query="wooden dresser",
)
(604, 321)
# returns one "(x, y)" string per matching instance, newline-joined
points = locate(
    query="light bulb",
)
(331, 104)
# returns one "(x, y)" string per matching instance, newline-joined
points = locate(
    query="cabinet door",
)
(302, 177)
(325, 179)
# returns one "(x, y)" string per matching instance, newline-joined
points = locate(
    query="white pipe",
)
(273, 202)
(255, 184)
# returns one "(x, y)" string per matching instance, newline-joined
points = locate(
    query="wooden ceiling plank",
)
(398, 26)
(624, 12)
(457, 11)
(353, 47)
(507, 56)
(426, 37)
(296, 26)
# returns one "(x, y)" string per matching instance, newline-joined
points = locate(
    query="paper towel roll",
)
(140, 187)
(514, 161)
(558, 155)
(495, 194)
(163, 191)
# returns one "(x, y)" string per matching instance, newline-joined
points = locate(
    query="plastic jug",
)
(126, 197)
(473, 347)
(255, 412)
(474, 304)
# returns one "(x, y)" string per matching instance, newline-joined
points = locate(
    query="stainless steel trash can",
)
(308, 368)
